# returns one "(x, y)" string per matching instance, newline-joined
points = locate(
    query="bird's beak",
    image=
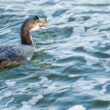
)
(40, 25)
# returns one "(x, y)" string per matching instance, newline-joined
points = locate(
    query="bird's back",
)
(13, 54)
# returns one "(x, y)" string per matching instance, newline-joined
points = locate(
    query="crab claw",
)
(43, 24)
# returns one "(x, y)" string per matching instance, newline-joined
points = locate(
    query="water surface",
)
(71, 65)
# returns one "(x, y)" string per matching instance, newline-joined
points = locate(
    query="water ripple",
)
(70, 68)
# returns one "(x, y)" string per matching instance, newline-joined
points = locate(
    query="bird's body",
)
(13, 54)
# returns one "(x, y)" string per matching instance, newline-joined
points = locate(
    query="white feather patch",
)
(36, 27)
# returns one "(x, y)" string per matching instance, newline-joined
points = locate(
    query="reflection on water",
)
(70, 68)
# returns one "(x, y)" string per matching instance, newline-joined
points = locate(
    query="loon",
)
(13, 54)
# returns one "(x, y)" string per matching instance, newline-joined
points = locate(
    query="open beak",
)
(40, 25)
(43, 24)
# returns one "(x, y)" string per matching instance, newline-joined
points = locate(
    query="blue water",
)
(70, 69)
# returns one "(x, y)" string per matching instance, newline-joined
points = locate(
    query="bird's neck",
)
(26, 37)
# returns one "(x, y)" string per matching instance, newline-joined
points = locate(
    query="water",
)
(71, 68)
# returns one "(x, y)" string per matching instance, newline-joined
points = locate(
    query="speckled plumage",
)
(12, 54)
